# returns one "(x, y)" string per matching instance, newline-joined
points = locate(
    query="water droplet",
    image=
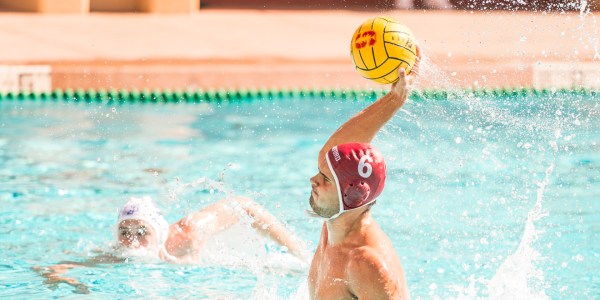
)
(458, 140)
(557, 133)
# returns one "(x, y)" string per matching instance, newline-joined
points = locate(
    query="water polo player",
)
(142, 231)
(141, 225)
(354, 257)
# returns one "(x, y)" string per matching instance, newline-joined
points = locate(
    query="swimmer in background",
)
(142, 231)
(355, 259)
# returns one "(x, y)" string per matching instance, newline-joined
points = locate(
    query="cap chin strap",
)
(339, 190)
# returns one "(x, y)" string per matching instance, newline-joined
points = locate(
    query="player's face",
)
(324, 198)
(136, 234)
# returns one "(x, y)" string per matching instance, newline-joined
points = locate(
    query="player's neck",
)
(339, 228)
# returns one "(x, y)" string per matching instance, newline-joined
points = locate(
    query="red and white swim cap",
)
(359, 172)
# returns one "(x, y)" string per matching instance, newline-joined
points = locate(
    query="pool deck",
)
(220, 48)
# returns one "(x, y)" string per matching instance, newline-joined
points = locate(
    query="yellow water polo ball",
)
(380, 46)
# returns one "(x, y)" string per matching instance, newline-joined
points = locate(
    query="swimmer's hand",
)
(401, 89)
(53, 278)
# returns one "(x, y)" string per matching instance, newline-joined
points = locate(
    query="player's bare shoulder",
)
(375, 274)
(368, 261)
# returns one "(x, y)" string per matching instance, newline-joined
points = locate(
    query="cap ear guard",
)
(355, 194)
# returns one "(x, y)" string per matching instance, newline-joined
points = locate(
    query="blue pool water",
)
(486, 197)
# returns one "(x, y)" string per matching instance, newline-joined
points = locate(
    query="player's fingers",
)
(414, 71)
(400, 85)
(410, 80)
(401, 75)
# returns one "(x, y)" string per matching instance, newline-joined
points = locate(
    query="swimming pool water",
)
(465, 176)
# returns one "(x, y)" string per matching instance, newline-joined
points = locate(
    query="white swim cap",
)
(144, 209)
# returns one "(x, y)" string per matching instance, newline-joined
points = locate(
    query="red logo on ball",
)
(364, 39)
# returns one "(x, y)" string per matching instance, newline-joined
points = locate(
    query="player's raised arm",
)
(189, 234)
(363, 127)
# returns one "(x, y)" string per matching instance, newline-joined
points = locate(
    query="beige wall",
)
(63, 6)
(190, 6)
(85, 6)
(46, 6)
(21, 5)
(113, 5)
(169, 6)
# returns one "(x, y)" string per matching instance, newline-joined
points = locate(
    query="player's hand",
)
(403, 86)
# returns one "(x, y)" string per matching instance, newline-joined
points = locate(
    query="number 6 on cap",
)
(363, 164)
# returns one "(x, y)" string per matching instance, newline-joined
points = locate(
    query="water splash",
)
(202, 184)
(591, 34)
(430, 74)
(518, 276)
(582, 7)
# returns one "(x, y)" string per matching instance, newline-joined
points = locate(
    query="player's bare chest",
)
(328, 275)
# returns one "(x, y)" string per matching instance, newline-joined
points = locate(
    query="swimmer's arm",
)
(53, 277)
(363, 127)
(369, 278)
(52, 274)
(189, 234)
(266, 224)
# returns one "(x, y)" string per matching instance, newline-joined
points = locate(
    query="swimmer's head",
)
(141, 225)
(359, 174)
